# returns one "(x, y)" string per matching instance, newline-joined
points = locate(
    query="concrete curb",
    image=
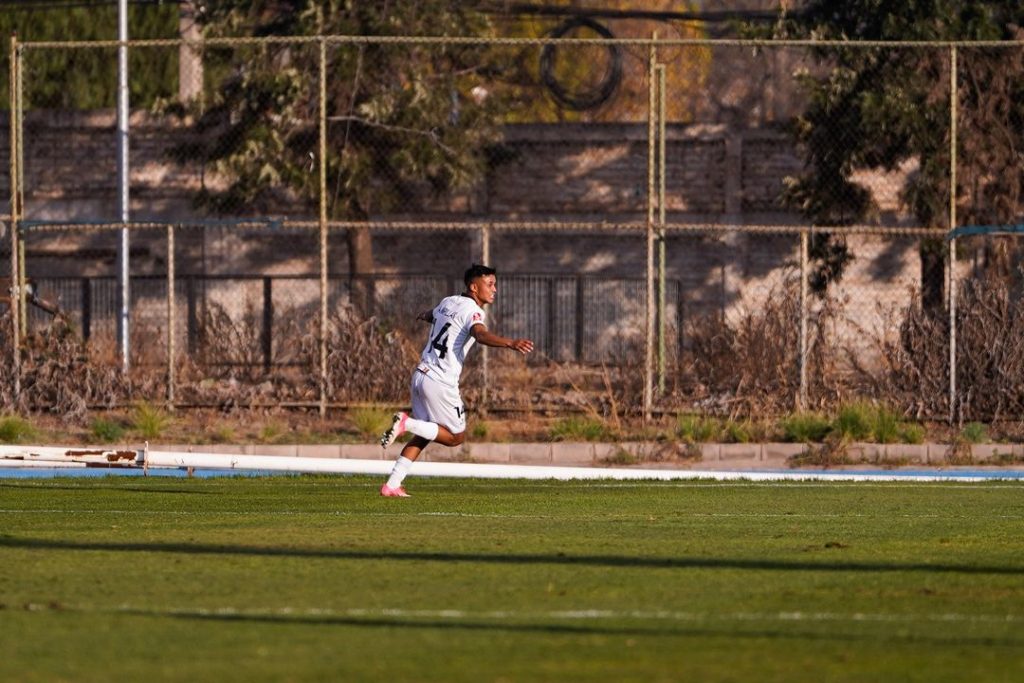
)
(721, 456)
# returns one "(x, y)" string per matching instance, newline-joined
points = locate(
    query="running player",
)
(437, 411)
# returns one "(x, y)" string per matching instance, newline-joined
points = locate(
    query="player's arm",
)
(427, 317)
(488, 338)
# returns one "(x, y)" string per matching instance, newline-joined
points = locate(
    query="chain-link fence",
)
(734, 226)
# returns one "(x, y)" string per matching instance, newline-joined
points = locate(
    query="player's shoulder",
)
(449, 305)
(457, 306)
(464, 303)
(473, 309)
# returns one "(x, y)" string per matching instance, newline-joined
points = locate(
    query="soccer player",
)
(437, 411)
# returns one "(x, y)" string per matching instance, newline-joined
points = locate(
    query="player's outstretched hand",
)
(523, 346)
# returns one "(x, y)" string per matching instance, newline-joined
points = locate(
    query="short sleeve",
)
(475, 316)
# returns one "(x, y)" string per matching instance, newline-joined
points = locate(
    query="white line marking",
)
(618, 517)
(336, 481)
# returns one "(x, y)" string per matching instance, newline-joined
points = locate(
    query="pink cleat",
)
(393, 493)
(396, 429)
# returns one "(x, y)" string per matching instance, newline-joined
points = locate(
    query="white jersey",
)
(449, 339)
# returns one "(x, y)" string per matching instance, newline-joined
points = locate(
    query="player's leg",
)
(447, 410)
(392, 488)
(442, 435)
(422, 428)
(446, 437)
(435, 406)
(412, 451)
(417, 423)
(437, 413)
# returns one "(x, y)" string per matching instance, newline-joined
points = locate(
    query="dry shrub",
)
(62, 374)
(65, 375)
(913, 366)
(365, 360)
(7, 394)
(990, 350)
(990, 356)
(229, 348)
(607, 391)
(749, 365)
(230, 367)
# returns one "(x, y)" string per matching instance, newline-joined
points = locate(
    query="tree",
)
(58, 78)
(399, 116)
(880, 108)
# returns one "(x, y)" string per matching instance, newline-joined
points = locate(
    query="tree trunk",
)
(360, 270)
(933, 274)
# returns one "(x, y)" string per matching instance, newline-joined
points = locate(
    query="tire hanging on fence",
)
(588, 98)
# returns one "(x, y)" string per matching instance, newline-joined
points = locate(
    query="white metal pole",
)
(123, 292)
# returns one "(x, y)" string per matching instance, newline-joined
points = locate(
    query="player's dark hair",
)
(477, 270)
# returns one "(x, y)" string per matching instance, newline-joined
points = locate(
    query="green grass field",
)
(319, 579)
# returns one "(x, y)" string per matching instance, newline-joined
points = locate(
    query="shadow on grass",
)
(617, 561)
(658, 630)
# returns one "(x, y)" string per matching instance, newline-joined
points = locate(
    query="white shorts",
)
(436, 402)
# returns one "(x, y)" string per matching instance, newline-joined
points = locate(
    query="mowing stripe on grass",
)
(554, 615)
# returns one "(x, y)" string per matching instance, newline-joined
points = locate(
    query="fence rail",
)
(560, 312)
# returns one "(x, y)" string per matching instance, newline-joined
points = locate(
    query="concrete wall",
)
(714, 173)
(591, 172)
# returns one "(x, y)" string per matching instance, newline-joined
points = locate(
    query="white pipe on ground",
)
(293, 464)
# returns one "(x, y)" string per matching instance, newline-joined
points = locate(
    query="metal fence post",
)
(951, 279)
(651, 163)
(580, 313)
(22, 285)
(124, 322)
(485, 258)
(15, 147)
(85, 285)
(323, 226)
(170, 316)
(661, 229)
(267, 332)
(802, 396)
(192, 319)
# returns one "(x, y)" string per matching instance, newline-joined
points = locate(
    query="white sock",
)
(428, 430)
(398, 472)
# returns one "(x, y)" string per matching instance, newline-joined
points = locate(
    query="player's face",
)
(486, 288)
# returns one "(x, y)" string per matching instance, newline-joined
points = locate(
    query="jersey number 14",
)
(440, 341)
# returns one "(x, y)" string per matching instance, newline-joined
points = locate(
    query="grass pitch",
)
(318, 578)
